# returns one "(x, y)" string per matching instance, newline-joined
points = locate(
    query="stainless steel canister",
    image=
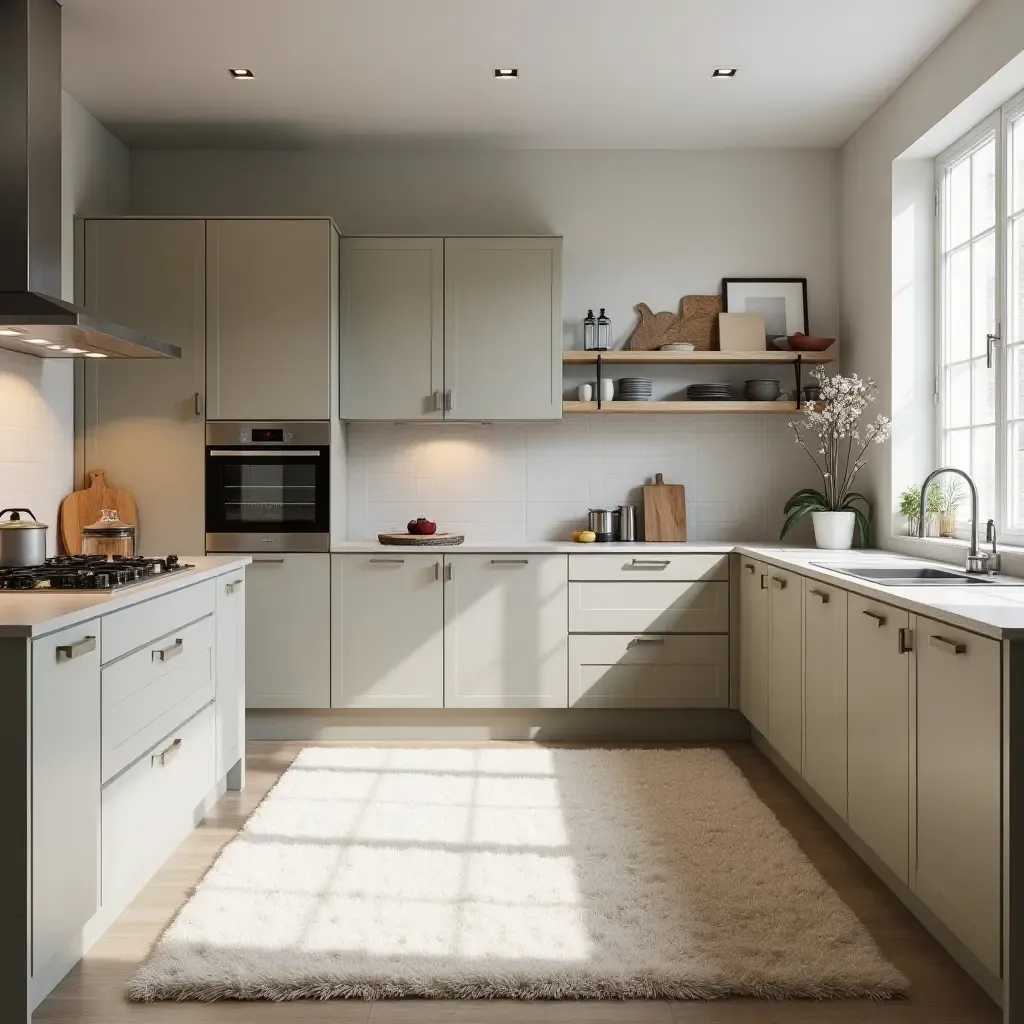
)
(602, 522)
(627, 522)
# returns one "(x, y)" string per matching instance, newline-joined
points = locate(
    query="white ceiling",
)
(629, 74)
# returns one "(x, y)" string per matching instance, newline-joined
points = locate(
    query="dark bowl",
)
(805, 343)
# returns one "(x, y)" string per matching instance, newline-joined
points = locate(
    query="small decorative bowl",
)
(761, 390)
(805, 343)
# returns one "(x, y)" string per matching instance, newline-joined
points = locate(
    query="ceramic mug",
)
(607, 389)
(586, 393)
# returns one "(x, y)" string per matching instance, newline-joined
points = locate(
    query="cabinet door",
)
(878, 731)
(65, 787)
(503, 328)
(144, 417)
(785, 668)
(271, 313)
(392, 328)
(388, 619)
(288, 631)
(506, 630)
(754, 643)
(230, 670)
(958, 784)
(825, 622)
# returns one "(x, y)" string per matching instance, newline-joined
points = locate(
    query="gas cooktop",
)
(88, 572)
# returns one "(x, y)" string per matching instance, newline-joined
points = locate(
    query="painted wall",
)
(638, 227)
(37, 395)
(972, 72)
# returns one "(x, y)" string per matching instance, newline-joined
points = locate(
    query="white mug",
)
(607, 389)
(586, 393)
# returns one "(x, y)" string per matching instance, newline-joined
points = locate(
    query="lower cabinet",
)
(785, 665)
(65, 787)
(288, 630)
(505, 631)
(230, 670)
(388, 616)
(878, 731)
(958, 861)
(825, 654)
(754, 643)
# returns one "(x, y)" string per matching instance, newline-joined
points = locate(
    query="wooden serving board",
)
(82, 508)
(413, 540)
(664, 511)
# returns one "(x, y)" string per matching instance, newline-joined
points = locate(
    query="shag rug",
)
(522, 873)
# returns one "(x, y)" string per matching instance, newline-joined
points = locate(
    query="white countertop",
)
(537, 547)
(34, 613)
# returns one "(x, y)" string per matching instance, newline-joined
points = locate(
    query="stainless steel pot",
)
(603, 522)
(22, 541)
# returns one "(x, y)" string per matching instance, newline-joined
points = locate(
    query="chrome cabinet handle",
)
(84, 646)
(387, 561)
(904, 640)
(648, 640)
(167, 755)
(232, 586)
(879, 619)
(820, 595)
(749, 568)
(438, 402)
(940, 643)
(437, 571)
(449, 400)
(166, 653)
(447, 572)
(268, 561)
(649, 563)
(197, 399)
(778, 583)
(510, 561)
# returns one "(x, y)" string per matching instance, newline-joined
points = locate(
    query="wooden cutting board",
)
(421, 539)
(82, 508)
(664, 511)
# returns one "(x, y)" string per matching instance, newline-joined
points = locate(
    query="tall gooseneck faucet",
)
(976, 561)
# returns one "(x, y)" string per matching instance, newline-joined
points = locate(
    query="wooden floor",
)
(941, 992)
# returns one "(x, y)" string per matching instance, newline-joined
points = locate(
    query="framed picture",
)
(782, 301)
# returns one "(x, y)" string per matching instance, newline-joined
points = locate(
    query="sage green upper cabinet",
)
(503, 328)
(392, 328)
(271, 318)
(143, 416)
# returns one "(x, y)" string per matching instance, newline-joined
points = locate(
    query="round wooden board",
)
(420, 539)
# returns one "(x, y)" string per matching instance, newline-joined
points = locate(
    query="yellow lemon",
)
(587, 537)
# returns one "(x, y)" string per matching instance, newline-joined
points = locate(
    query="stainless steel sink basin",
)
(919, 576)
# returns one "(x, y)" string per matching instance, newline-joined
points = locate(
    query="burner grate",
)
(88, 572)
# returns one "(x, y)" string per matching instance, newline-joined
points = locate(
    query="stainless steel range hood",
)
(32, 318)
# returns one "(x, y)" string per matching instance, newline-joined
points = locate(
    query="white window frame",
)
(997, 126)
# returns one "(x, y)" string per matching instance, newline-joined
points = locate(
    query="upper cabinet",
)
(454, 329)
(271, 315)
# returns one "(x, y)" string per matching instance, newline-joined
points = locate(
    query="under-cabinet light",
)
(724, 73)
(506, 72)
(241, 74)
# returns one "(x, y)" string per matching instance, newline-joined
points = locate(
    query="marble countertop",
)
(34, 613)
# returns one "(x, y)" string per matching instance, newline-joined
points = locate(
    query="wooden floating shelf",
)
(705, 407)
(571, 356)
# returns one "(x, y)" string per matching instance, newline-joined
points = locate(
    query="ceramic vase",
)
(833, 530)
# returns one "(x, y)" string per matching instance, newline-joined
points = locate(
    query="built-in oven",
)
(268, 486)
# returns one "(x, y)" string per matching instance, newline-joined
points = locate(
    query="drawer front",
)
(149, 809)
(649, 567)
(125, 630)
(672, 607)
(649, 671)
(150, 692)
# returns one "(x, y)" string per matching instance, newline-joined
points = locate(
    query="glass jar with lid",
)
(109, 536)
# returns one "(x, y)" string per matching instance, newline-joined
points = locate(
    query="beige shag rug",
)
(523, 873)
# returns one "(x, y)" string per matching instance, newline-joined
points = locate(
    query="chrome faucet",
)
(990, 538)
(976, 561)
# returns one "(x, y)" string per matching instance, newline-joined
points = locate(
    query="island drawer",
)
(669, 607)
(653, 566)
(154, 690)
(136, 625)
(648, 671)
(149, 809)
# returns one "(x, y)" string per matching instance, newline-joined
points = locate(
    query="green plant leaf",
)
(803, 495)
(856, 496)
(797, 514)
(863, 526)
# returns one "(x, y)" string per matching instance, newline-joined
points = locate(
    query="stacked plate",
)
(709, 392)
(634, 389)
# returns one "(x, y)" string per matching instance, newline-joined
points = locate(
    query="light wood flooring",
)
(941, 992)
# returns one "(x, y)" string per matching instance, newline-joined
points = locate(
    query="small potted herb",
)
(910, 509)
(949, 498)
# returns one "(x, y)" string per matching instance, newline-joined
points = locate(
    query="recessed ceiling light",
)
(9, 332)
(74, 351)
(240, 73)
(724, 73)
(506, 72)
(35, 341)
(55, 348)
(95, 355)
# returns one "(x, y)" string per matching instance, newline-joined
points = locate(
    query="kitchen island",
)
(124, 720)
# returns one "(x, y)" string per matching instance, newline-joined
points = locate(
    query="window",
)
(980, 366)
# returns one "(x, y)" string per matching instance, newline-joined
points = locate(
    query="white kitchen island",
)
(124, 720)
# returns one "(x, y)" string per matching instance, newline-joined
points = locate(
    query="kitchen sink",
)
(919, 576)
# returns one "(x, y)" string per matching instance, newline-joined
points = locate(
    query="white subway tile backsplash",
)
(514, 482)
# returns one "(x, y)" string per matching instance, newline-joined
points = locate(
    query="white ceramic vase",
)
(833, 530)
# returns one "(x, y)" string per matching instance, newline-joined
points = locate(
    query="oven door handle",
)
(282, 453)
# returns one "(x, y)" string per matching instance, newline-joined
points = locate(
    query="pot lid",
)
(109, 525)
(17, 523)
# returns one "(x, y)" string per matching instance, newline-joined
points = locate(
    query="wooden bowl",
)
(805, 343)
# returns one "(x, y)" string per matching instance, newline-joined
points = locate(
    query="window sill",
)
(953, 551)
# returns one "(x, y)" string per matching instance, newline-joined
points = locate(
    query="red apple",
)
(422, 526)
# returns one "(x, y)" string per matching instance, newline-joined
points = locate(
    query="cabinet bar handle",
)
(820, 595)
(447, 572)
(278, 453)
(232, 586)
(648, 640)
(879, 619)
(268, 561)
(167, 755)
(649, 563)
(437, 571)
(387, 561)
(198, 403)
(905, 640)
(764, 581)
(947, 646)
(510, 561)
(438, 402)
(166, 653)
(749, 568)
(84, 646)
(778, 583)
(449, 400)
